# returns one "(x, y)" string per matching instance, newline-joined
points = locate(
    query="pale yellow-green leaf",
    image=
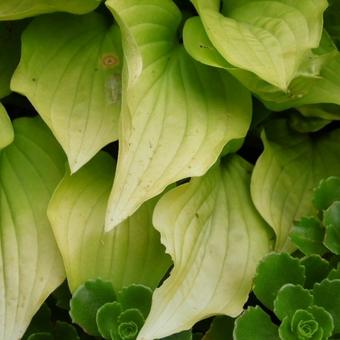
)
(270, 38)
(30, 263)
(131, 253)
(6, 128)
(70, 70)
(177, 114)
(215, 237)
(284, 176)
(18, 9)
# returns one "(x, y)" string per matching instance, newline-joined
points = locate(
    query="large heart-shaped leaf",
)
(17, 9)
(216, 238)
(30, 263)
(70, 70)
(284, 176)
(322, 87)
(177, 114)
(270, 38)
(132, 253)
(6, 128)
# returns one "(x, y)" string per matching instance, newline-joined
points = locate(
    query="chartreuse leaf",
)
(284, 176)
(290, 298)
(255, 324)
(10, 52)
(132, 253)
(322, 87)
(215, 238)
(272, 39)
(30, 263)
(313, 323)
(17, 9)
(6, 128)
(331, 220)
(165, 94)
(327, 191)
(274, 271)
(86, 301)
(307, 234)
(70, 70)
(326, 294)
(316, 269)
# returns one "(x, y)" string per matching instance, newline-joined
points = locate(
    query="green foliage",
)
(180, 143)
(321, 233)
(100, 311)
(274, 271)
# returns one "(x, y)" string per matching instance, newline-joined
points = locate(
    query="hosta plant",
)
(153, 153)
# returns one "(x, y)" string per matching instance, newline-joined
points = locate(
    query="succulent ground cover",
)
(169, 169)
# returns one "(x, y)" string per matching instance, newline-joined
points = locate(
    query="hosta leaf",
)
(30, 263)
(284, 176)
(17, 9)
(70, 70)
(6, 128)
(10, 52)
(132, 253)
(177, 114)
(215, 238)
(255, 324)
(303, 90)
(269, 38)
(326, 294)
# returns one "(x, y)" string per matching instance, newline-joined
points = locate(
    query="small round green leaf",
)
(326, 294)
(308, 234)
(86, 300)
(107, 319)
(129, 324)
(274, 271)
(314, 323)
(136, 296)
(331, 220)
(41, 336)
(316, 269)
(185, 335)
(255, 324)
(220, 328)
(327, 192)
(334, 274)
(291, 298)
(65, 331)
